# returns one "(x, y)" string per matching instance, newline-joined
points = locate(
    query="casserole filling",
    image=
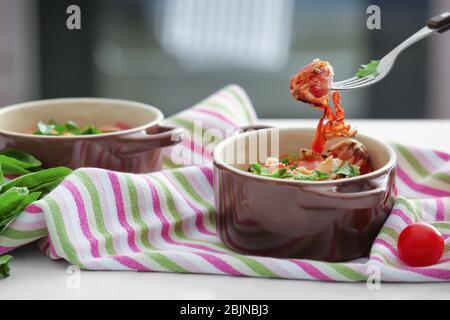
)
(70, 128)
(347, 158)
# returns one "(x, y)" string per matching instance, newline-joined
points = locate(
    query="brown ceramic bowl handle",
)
(165, 136)
(355, 199)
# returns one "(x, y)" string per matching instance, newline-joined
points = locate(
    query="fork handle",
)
(440, 22)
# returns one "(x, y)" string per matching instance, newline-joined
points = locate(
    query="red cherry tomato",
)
(420, 245)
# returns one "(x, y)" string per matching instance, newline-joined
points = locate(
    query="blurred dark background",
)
(173, 53)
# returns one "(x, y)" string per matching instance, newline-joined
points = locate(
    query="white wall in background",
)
(18, 51)
(439, 72)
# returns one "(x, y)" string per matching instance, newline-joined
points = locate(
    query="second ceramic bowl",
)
(137, 149)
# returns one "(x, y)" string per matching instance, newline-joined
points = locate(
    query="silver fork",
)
(439, 24)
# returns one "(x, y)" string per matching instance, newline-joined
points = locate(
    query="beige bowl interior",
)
(239, 151)
(20, 118)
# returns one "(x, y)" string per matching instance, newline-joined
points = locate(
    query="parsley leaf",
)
(90, 129)
(72, 127)
(258, 169)
(355, 171)
(317, 175)
(282, 173)
(56, 126)
(255, 168)
(369, 69)
(279, 172)
(321, 175)
(303, 177)
(348, 170)
(45, 129)
(285, 160)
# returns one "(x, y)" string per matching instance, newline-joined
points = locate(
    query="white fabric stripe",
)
(108, 203)
(73, 229)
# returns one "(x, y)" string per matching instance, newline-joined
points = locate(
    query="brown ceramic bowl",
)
(134, 150)
(321, 220)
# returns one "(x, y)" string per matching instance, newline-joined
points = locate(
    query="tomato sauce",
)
(312, 85)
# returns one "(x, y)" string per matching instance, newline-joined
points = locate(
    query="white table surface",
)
(34, 276)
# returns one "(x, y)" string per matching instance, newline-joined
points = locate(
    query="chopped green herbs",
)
(348, 170)
(282, 173)
(321, 175)
(256, 168)
(278, 173)
(369, 69)
(265, 171)
(316, 176)
(44, 129)
(304, 177)
(53, 128)
(90, 129)
(72, 127)
(303, 170)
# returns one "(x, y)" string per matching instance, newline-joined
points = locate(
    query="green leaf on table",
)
(369, 69)
(18, 193)
(12, 169)
(34, 179)
(2, 178)
(16, 162)
(35, 169)
(348, 170)
(46, 187)
(21, 158)
(4, 266)
(8, 216)
(10, 199)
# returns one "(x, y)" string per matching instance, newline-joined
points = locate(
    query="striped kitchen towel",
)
(164, 221)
